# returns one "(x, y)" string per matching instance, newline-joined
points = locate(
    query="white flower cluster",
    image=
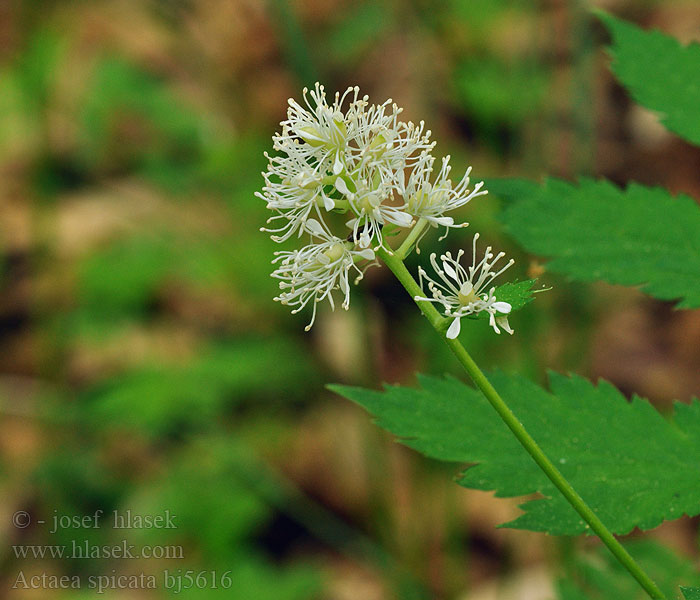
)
(360, 160)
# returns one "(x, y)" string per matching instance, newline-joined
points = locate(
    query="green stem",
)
(438, 322)
(405, 248)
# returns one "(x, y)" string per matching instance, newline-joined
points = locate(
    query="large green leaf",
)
(631, 465)
(596, 231)
(660, 73)
(691, 593)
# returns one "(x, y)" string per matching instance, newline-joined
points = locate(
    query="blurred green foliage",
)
(599, 577)
(189, 398)
(136, 296)
(497, 93)
(184, 413)
(356, 32)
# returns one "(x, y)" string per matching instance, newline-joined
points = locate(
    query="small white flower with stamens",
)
(432, 200)
(294, 192)
(319, 130)
(314, 272)
(381, 140)
(374, 209)
(464, 292)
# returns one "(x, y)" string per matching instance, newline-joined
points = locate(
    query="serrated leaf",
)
(516, 293)
(594, 230)
(631, 465)
(660, 73)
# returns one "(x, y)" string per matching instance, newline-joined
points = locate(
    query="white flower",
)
(314, 272)
(374, 207)
(380, 140)
(348, 155)
(464, 292)
(332, 139)
(294, 192)
(432, 200)
(319, 131)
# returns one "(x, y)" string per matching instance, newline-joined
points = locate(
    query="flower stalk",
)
(405, 248)
(439, 323)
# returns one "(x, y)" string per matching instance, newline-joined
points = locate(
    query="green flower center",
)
(467, 294)
(335, 252)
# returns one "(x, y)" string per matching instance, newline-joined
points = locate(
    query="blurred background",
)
(143, 363)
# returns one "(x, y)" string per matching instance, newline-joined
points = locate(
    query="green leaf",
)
(596, 231)
(691, 593)
(660, 73)
(632, 466)
(516, 293)
(600, 577)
